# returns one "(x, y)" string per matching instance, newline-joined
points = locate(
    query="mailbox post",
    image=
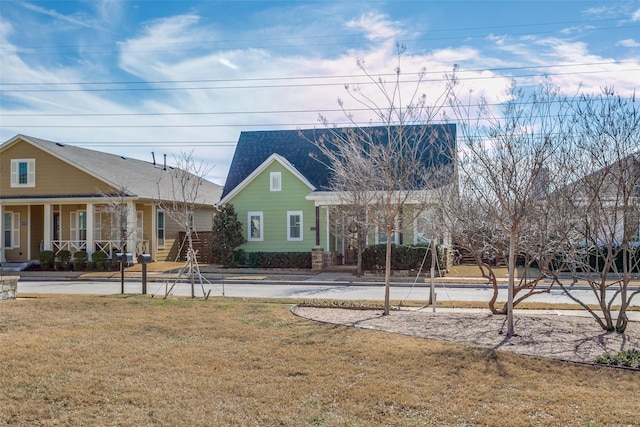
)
(144, 259)
(124, 258)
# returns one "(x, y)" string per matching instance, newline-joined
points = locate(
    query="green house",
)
(279, 184)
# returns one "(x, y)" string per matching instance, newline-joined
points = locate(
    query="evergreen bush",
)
(100, 259)
(80, 259)
(63, 259)
(402, 257)
(47, 260)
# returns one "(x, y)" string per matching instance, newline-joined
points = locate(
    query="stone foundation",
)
(8, 287)
(317, 259)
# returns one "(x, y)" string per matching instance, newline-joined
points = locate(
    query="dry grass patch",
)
(141, 361)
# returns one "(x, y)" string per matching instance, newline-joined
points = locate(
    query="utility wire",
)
(297, 78)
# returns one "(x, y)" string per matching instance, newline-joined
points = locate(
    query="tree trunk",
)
(191, 260)
(362, 243)
(621, 324)
(387, 274)
(511, 284)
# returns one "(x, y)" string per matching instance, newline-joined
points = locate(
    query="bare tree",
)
(509, 162)
(118, 210)
(385, 172)
(605, 249)
(179, 195)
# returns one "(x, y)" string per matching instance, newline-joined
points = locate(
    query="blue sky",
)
(132, 77)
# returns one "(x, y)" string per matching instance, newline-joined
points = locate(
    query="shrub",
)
(627, 358)
(64, 256)
(80, 259)
(276, 259)
(227, 236)
(47, 260)
(100, 259)
(402, 257)
(240, 257)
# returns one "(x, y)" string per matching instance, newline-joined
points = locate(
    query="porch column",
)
(90, 228)
(327, 230)
(48, 219)
(317, 226)
(2, 259)
(28, 232)
(132, 235)
(153, 238)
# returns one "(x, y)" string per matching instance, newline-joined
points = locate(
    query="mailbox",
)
(126, 257)
(144, 259)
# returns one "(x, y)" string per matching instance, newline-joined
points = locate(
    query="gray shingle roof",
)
(254, 147)
(140, 178)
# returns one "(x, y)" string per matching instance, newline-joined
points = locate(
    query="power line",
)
(295, 78)
(276, 86)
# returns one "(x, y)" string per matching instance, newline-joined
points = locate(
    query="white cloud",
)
(377, 26)
(636, 16)
(52, 13)
(628, 43)
(228, 63)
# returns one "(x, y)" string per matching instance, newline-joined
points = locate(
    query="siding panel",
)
(257, 197)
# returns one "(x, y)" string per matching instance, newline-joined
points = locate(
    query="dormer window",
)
(23, 173)
(276, 181)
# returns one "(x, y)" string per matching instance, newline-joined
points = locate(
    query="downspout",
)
(317, 226)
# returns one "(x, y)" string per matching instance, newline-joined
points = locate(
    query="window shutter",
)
(73, 226)
(14, 173)
(16, 230)
(139, 225)
(31, 171)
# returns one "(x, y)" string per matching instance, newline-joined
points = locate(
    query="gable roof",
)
(140, 178)
(270, 160)
(254, 147)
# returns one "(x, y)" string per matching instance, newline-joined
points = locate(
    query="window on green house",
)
(255, 227)
(294, 229)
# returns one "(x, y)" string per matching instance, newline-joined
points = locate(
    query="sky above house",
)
(174, 77)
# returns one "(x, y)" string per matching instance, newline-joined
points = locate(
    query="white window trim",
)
(31, 173)
(15, 229)
(160, 242)
(289, 215)
(75, 226)
(395, 237)
(190, 220)
(261, 237)
(428, 219)
(275, 181)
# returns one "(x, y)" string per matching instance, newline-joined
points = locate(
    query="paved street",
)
(303, 290)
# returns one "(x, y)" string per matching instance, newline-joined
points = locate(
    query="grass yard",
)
(84, 360)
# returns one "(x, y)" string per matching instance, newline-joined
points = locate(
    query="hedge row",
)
(595, 258)
(402, 257)
(62, 261)
(273, 259)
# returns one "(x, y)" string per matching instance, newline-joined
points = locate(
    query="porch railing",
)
(69, 245)
(109, 247)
